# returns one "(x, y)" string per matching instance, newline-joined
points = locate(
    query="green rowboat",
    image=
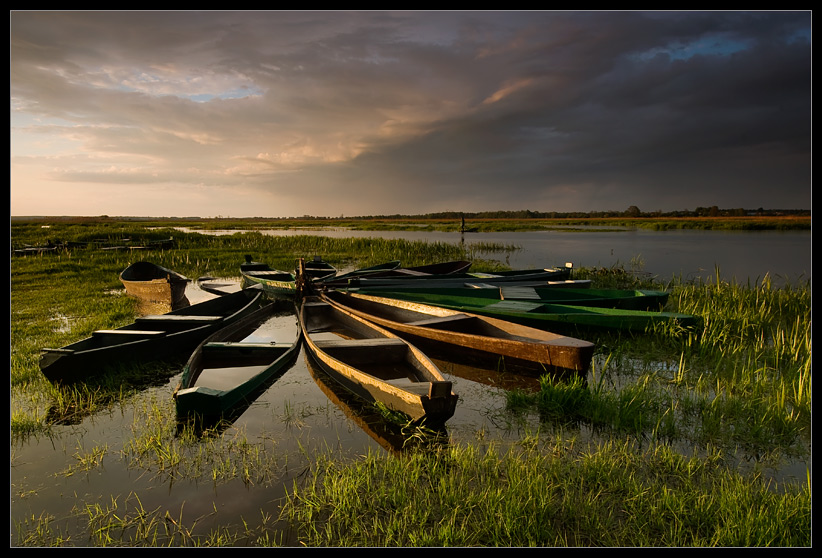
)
(548, 316)
(274, 282)
(602, 298)
(231, 367)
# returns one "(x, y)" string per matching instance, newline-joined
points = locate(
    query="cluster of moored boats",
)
(59, 246)
(374, 330)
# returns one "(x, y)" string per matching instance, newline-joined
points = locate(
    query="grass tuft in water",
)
(544, 495)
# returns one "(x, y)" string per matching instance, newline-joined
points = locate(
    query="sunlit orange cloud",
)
(507, 90)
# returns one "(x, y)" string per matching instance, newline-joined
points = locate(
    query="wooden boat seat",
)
(431, 389)
(480, 286)
(438, 320)
(377, 342)
(514, 306)
(519, 293)
(267, 274)
(361, 352)
(136, 332)
(178, 318)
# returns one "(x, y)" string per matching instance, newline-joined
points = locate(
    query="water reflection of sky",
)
(691, 254)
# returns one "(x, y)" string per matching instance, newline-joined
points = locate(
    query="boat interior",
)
(353, 343)
(405, 314)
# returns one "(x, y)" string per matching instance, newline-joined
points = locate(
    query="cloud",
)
(404, 112)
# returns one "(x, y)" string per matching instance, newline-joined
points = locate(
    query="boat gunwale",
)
(221, 400)
(352, 374)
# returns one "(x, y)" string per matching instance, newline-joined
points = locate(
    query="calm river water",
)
(300, 412)
(744, 256)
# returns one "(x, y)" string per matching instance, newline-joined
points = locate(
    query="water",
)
(691, 254)
(300, 413)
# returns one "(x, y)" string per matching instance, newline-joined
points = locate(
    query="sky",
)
(354, 113)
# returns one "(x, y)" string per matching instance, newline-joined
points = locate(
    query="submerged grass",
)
(673, 413)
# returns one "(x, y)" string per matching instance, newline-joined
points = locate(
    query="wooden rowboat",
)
(429, 271)
(394, 438)
(148, 339)
(153, 283)
(318, 269)
(375, 364)
(233, 364)
(627, 299)
(218, 285)
(482, 336)
(457, 279)
(274, 282)
(342, 279)
(556, 317)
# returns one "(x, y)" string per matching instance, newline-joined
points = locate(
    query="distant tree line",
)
(632, 211)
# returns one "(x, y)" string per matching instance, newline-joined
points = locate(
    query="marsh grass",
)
(744, 380)
(87, 460)
(544, 494)
(741, 385)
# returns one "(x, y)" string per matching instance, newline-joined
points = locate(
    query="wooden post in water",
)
(301, 282)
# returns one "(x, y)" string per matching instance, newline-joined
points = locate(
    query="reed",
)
(744, 380)
(550, 494)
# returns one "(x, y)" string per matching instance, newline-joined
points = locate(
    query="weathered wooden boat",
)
(342, 278)
(27, 250)
(318, 269)
(148, 339)
(394, 438)
(274, 282)
(429, 270)
(628, 299)
(229, 368)
(482, 336)
(163, 244)
(375, 364)
(150, 282)
(459, 279)
(554, 317)
(441, 268)
(218, 285)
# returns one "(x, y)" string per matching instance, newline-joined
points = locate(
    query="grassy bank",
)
(676, 440)
(88, 227)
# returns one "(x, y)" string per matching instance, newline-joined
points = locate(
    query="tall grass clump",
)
(743, 380)
(543, 494)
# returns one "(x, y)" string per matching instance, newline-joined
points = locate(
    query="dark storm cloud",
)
(424, 111)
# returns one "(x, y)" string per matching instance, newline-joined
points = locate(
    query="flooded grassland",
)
(678, 438)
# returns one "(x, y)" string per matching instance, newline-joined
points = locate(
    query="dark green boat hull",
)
(599, 298)
(548, 316)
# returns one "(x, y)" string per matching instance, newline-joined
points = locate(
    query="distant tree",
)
(633, 211)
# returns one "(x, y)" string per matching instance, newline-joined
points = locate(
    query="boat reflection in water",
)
(394, 438)
(202, 425)
(484, 373)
